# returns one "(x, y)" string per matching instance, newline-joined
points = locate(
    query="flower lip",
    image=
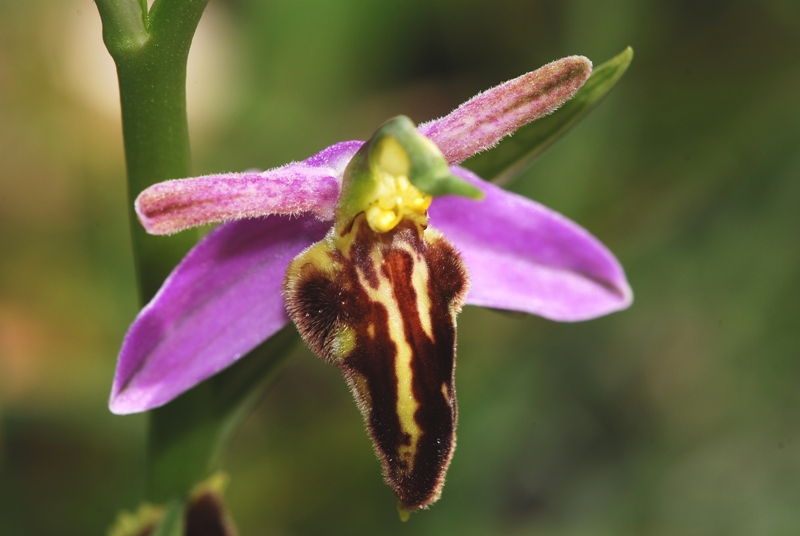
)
(382, 307)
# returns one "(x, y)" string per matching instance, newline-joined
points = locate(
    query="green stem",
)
(151, 51)
(187, 435)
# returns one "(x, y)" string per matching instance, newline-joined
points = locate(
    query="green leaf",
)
(187, 435)
(516, 153)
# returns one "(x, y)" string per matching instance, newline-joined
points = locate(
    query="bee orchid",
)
(371, 249)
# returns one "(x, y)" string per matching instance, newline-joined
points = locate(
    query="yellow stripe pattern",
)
(406, 402)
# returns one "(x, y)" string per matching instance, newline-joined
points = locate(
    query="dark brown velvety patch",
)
(315, 306)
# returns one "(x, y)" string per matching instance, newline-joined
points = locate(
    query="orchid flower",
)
(371, 249)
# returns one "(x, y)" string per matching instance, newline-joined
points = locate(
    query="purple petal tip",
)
(484, 120)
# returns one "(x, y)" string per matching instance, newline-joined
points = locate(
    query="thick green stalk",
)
(151, 51)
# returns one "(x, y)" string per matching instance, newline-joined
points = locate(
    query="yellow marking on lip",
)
(419, 280)
(344, 342)
(406, 403)
(317, 255)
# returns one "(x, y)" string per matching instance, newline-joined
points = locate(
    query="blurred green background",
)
(677, 416)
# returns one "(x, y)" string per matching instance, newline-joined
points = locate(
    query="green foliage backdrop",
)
(678, 416)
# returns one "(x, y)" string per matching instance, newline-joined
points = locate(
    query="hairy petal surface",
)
(313, 185)
(485, 119)
(300, 187)
(220, 302)
(525, 257)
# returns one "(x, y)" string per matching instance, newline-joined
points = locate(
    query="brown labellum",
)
(382, 307)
